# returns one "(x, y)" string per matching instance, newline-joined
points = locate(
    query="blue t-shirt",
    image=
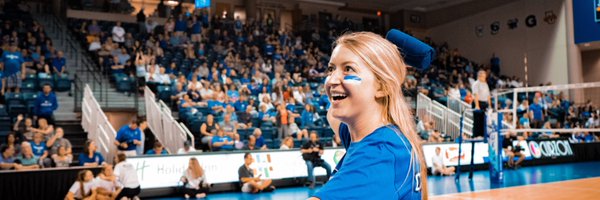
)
(197, 28)
(222, 139)
(260, 142)
(537, 111)
(377, 167)
(59, 63)
(96, 158)
(212, 104)
(38, 149)
(524, 121)
(12, 62)
(125, 134)
(152, 152)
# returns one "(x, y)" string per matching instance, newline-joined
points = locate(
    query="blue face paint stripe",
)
(352, 77)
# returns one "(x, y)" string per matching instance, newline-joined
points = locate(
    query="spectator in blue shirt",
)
(59, 64)
(308, 116)
(222, 141)
(537, 112)
(128, 138)
(260, 140)
(40, 149)
(158, 149)
(14, 68)
(90, 157)
(46, 104)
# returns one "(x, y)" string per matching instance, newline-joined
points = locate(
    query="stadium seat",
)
(28, 85)
(63, 84)
(164, 93)
(14, 104)
(29, 100)
(45, 79)
(124, 83)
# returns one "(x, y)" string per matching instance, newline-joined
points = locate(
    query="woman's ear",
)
(381, 93)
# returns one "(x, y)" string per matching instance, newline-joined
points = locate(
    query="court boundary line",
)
(537, 184)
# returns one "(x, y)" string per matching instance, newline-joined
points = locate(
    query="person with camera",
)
(510, 150)
(311, 153)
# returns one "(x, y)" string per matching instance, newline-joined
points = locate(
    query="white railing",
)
(96, 124)
(445, 119)
(167, 130)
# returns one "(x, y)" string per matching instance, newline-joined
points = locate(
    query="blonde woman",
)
(195, 180)
(364, 84)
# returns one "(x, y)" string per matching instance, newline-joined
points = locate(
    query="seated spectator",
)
(260, 140)
(438, 164)
(265, 116)
(60, 141)
(511, 151)
(222, 141)
(24, 128)
(158, 149)
(90, 157)
(43, 128)
(40, 149)
(61, 158)
(311, 153)
(128, 138)
(194, 180)
(83, 188)
(12, 140)
(118, 33)
(309, 116)
(287, 143)
(549, 133)
(251, 143)
(237, 143)
(435, 136)
(245, 118)
(300, 134)
(59, 65)
(229, 126)
(8, 159)
(27, 158)
(46, 104)
(206, 129)
(127, 175)
(248, 180)
(106, 183)
(187, 148)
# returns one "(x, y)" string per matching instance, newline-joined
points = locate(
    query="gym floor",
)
(528, 181)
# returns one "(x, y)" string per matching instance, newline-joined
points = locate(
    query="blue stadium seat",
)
(29, 100)
(63, 84)
(14, 104)
(28, 85)
(164, 93)
(195, 126)
(45, 79)
(269, 132)
(123, 82)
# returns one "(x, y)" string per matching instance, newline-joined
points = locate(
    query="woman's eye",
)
(330, 69)
(348, 69)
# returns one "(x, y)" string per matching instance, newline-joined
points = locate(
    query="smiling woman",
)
(371, 117)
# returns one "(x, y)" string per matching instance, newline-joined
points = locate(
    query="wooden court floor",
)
(579, 189)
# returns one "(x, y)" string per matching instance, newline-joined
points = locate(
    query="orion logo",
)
(550, 148)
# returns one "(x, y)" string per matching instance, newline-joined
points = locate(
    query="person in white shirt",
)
(162, 77)
(438, 164)
(106, 183)
(127, 175)
(481, 92)
(454, 92)
(287, 143)
(194, 179)
(187, 148)
(118, 33)
(83, 188)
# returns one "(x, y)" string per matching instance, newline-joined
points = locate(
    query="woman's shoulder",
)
(389, 136)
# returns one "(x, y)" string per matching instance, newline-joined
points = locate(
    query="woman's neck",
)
(365, 124)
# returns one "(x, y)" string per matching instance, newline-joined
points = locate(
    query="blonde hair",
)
(195, 169)
(385, 61)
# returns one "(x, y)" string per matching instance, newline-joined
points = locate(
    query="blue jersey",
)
(377, 167)
(125, 134)
(12, 62)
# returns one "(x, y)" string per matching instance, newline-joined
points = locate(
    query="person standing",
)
(481, 92)
(128, 138)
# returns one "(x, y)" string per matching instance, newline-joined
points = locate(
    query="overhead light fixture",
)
(325, 2)
(586, 44)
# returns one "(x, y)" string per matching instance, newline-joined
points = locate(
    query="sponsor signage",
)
(166, 171)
